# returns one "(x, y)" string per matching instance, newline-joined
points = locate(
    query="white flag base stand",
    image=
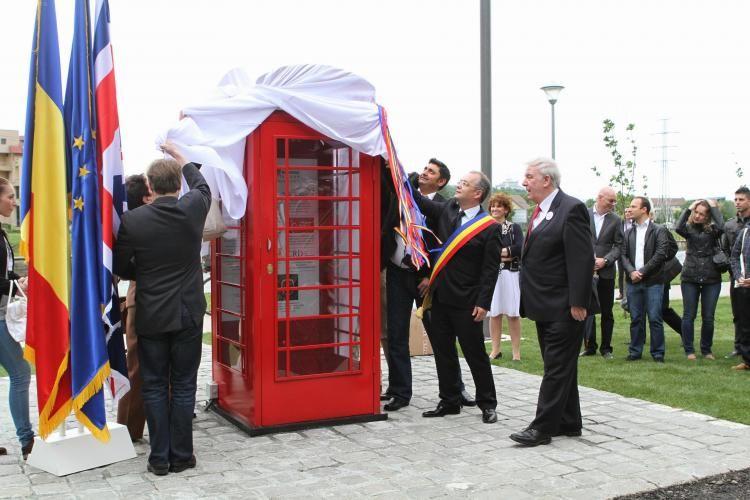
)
(80, 450)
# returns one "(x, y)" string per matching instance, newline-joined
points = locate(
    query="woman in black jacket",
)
(11, 354)
(701, 225)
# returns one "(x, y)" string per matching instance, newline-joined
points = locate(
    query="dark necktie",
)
(461, 214)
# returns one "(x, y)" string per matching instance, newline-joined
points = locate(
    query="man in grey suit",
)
(606, 232)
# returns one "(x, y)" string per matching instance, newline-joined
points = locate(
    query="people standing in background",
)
(130, 410)
(11, 354)
(627, 223)
(740, 265)
(701, 225)
(732, 227)
(644, 253)
(507, 296)
(606, 231)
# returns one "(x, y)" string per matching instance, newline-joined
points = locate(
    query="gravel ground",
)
(733, 485)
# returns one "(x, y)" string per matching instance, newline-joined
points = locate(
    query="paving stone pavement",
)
(628, 445)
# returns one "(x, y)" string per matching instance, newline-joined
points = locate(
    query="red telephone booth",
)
(295, 285)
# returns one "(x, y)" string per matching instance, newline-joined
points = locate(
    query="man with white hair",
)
(606, 231)
(556, 286)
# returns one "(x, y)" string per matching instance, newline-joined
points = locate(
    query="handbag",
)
(15, 313)
(720, 260)
(214, 226)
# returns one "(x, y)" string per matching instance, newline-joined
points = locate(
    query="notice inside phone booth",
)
(295, 285)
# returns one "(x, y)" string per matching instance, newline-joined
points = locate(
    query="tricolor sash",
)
(455, 242)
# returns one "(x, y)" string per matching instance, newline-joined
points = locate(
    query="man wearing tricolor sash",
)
(460, 292)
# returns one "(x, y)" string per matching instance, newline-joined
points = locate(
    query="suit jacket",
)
(609, 243)
(159, 246)
(390, 217)
(557, 263)
(469, 278)
(654, 254)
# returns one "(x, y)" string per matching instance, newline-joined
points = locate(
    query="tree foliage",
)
(622, 177)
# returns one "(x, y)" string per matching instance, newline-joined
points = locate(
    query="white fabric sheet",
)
(334, 102)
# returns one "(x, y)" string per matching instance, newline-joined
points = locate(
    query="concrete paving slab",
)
(628, 445)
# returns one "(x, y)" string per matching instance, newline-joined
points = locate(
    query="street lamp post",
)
(553, 91)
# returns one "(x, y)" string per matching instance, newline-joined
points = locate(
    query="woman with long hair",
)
(701, 225)
(11, 354)
(507, 297)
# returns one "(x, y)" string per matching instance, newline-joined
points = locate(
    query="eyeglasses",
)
(464, 183)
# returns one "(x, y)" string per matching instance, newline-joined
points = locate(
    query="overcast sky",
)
(635, 61)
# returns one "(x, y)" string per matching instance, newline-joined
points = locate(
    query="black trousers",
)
(606, 293)
(401, 293)
(169, 369)
(558, 407)
(447, 324)
(743, 322)
(668, 315)
(733, 298)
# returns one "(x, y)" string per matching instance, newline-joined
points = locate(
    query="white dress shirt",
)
(470, 214)
(640, 243)
(598, 220)
(544, 208)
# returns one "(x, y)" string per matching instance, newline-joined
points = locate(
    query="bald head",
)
(605, 200)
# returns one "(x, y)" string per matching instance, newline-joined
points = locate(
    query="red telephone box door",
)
(318, 301)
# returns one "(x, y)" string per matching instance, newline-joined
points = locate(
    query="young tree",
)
(623, 176)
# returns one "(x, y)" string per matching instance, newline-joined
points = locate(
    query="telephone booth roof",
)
(331, 101)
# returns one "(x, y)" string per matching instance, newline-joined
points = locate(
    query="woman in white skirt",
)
(507, 296)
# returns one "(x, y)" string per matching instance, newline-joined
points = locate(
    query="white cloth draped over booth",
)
(334, 102)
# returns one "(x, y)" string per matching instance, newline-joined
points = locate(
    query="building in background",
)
(11, 152)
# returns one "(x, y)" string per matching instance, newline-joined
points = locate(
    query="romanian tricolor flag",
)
(44, 225)
(89, 362)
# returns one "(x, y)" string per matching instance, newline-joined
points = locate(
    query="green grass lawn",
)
(703, 386)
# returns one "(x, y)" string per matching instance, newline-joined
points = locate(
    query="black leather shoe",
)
(442, 410)
(659, 360)
(386, 397)
(631, 358)
(568, 433)
(531, 437)
(158, 469)
(396, 404)
(489, 416)
(587, 353)
(732, 354)
(181, 466)
(25, 450)
(466, 399)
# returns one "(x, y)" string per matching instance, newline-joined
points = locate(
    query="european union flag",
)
(88, 350)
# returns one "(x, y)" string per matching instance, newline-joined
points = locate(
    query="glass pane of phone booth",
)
(230, 296)
(318, 258)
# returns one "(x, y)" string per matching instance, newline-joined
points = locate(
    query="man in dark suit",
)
(644, 254)
(405, 286)
(158, 246)
(606, 230)
(461, 295)
(556, 291)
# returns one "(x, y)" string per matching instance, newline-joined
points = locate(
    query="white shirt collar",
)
(596, 212)
(472, 212)
(643, 225)
(431, 195)
(545, 204)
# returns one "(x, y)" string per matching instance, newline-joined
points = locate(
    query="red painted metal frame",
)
(257, 396)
